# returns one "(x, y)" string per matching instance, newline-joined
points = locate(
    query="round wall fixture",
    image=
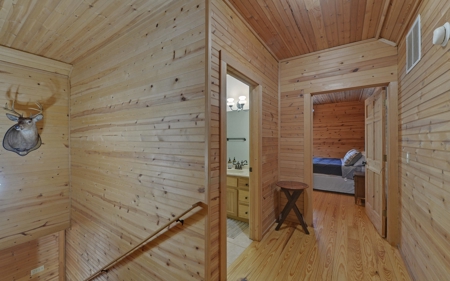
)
(441, 35)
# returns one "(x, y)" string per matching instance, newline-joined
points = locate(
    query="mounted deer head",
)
(23, 137)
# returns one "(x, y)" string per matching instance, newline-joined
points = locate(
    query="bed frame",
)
(333, 183)
(330, 175)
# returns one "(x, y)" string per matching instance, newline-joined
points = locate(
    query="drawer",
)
(243, 183)
(243, 211)
(232, 181)
(244, 196)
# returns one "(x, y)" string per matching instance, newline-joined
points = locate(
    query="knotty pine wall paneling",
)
(17, 261)
(337, 128)
(424, 121)
(138, 148)
(362, 64)
(34, 189)
(231, 35)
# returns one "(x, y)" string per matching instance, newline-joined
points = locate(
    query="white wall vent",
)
(413, 45)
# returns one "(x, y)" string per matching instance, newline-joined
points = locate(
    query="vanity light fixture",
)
(239, 104)
(230, 103)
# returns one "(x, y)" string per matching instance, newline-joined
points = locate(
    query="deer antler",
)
(40, 110)
(12, 109)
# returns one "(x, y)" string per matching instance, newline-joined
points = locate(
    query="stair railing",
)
(177, 219)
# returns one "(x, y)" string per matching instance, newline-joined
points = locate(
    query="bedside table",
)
(360, 188)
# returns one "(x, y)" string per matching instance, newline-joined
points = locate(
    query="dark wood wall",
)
(337, 128)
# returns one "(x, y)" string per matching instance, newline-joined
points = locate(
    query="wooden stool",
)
(297, 189)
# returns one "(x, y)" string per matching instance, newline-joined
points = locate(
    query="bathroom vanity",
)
(238, 194)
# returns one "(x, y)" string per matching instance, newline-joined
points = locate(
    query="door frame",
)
(229, 65)
(392, 192)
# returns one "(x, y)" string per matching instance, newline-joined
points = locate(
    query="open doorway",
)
(390, 157)
(238, 164)
(234, 68)
(339, 141)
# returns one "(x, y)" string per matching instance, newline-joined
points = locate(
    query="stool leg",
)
(300, 219)
(291, 203)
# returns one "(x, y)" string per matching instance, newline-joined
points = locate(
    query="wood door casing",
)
(375, 150)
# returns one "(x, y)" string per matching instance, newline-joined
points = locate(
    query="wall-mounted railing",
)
(177, 219)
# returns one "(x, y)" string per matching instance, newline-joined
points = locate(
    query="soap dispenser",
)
(230, 164)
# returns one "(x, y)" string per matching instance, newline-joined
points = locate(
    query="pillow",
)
(360, 161)
(351, 157)
(355, 159)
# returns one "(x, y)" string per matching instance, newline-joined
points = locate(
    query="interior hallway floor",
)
(343, 245)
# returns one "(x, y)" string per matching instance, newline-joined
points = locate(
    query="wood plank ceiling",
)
(66, 30)
(351, 95)
(292, 28)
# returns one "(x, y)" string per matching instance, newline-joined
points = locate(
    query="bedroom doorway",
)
(391, 156)
(338, 132)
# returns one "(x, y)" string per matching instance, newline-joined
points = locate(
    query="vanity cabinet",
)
(238, 198)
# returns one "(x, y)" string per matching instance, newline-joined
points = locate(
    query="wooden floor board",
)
(343, 245)
(256, 255)
(295, 245)
(300, 268)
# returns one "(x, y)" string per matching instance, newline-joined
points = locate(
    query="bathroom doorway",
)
(238, 164)
(229, 66)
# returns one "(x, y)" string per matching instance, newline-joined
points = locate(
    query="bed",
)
(336, 174)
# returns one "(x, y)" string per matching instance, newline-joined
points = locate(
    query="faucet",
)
(241, 164)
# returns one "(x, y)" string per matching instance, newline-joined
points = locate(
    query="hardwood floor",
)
(342, 246)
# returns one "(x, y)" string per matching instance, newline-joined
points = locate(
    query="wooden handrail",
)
(105, 268)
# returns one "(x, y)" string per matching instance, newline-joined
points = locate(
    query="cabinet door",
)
(232, 201)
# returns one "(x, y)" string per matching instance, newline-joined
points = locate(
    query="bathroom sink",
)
(234, 172)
